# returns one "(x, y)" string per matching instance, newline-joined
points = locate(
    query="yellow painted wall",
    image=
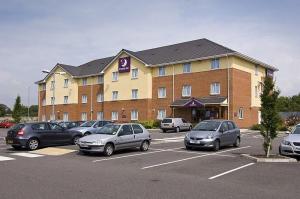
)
(125, 84)
(60, 91)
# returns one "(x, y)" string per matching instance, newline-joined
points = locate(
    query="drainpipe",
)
(173, 90)
(91, 99)
(228, 93)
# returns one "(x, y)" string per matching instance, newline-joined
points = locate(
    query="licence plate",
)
(84, 145)
(195, 141)
(9, 142)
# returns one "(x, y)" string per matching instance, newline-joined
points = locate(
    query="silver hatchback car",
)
(114, 137)
(213, 134)
(290, 145)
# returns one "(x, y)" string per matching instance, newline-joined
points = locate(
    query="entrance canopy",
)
(200, 102)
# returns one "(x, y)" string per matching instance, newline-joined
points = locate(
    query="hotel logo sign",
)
(124, 64)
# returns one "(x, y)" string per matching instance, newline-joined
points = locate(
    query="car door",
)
(60, 135)
(41, 131)
(125, 137)
(185, 124)
(139, 135)
(224, 134)
(232, 134)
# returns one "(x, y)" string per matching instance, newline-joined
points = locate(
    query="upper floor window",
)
(52, 100)
(84, 99)
(52, 85)
(186, 91)
(66, 83)
(256, 70)
(66, 99)
(115, 76)
(215, 63)
(66, 116)
(162, 71)
(84, 81)
(134, 93)
(162, 93)
(134, 73)
(134, 115)
(215, 88)
(187, 68)
(241, 113)
(100, 97)
(43, 87)
(115, 95)
(100, 79)
(114, 115)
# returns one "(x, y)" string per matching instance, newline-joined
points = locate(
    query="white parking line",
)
(3, 158)
(126, 156)
(199, 156)
(27, 155)
(230, 171)
(170, 138)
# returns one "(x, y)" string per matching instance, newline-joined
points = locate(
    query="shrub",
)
(283, 128)
(150, 124)
(256, 127)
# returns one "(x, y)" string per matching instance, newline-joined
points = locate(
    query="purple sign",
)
(124, 64)
(193, 103)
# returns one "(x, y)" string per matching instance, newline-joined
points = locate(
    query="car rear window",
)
(18, 127)
(167, 121)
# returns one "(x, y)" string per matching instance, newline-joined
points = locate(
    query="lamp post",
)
(53, 89)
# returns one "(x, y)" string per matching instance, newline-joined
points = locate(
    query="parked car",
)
(114, 137)
(34, 135)
(91, 127)
(290, 145)
(6, 124)
(176, 124)
(71, 124)
(213, 134)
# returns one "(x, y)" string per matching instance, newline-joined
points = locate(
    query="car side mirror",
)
(221, 130)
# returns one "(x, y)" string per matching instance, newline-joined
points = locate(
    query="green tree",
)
(269, 114)
(34, 110)
(2, 110)
(17, 110)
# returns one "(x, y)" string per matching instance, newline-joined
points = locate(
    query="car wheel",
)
(188, 147)
(164, 130)
(217, 145)
(145, 146)
(190, 128)
(108, 149)
(237, 142)
(177, 129)
(76, 139)
(87, 133)
(33, 144)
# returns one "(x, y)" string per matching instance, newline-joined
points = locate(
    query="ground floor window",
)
(134, 115)
(114, 115)
(161, 114)
(52, 117)
(84, 116)
(100, 115)
(241, 113)
(43, 118)
(66, 117)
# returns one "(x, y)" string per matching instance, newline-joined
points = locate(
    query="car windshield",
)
(207, 126)
(88, 124)
(109, 129)
(296, 130)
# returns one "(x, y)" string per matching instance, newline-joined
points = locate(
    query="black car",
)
(70, 125)
(34, 135)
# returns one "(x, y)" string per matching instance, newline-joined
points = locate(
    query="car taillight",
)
(21, 132)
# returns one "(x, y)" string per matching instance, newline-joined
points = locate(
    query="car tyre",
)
(188, 147)
(145, 145)
(237, 142)
(164, 130)
(216, 145)
(190, 128)
(108, 149)
(177, 129)
(75, 139)
(33, 144)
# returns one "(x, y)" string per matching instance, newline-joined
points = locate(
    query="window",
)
(215, 88)
(55, 127)
(43, 118)
(137, 129)
(100, 115)
(256, 91)
(52, 100)
(84, 99)
(100, 79)
(52, 116)
(52, 85)
(161, 114)
(161, 71)
(241, 113)
(114, 115)
(134, 115)
(162, 93)
(230, 126)
(115, 95)
(84, 116)
(39, 126)
(134, 93)
(66, 83)
(84, 81)
(126, 130)
(215, 63)
(224, 126)
(100, 97)
(256, 70)
(44, 102)
(43, 87)
(66, 117)
(187, 68)
(115, 76)
(66, 99)
(186, 91)
(134, 73)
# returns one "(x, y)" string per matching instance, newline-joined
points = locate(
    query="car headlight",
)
(209, 137)
(98, 142)
(285, 142)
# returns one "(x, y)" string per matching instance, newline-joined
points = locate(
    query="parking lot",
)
(167, 170)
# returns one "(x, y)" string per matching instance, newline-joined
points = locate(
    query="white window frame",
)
(161, 68)
(134, 115)
(84, 116)
(52, 116)
(66, 83)
(115, 95)
(162, 92)
(84, 99)
(161, 114)
(241, 113)
(215, 64)
(256, 70)
(66, 99)
(52, 100)
(100, 115)
(100, 79)
(213, 90)
(186, 66)
(134, 73)
(134, 94)
(186, 91)
(65, 116)
(114, 115)
(84, 81)
(100, 97)
(52, 85)
(115, 76)
(44, 102)
(43, 118)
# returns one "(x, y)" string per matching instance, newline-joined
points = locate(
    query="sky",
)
(37, 34)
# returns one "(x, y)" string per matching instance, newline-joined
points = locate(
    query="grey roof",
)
(93, 67)
(202, 100)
